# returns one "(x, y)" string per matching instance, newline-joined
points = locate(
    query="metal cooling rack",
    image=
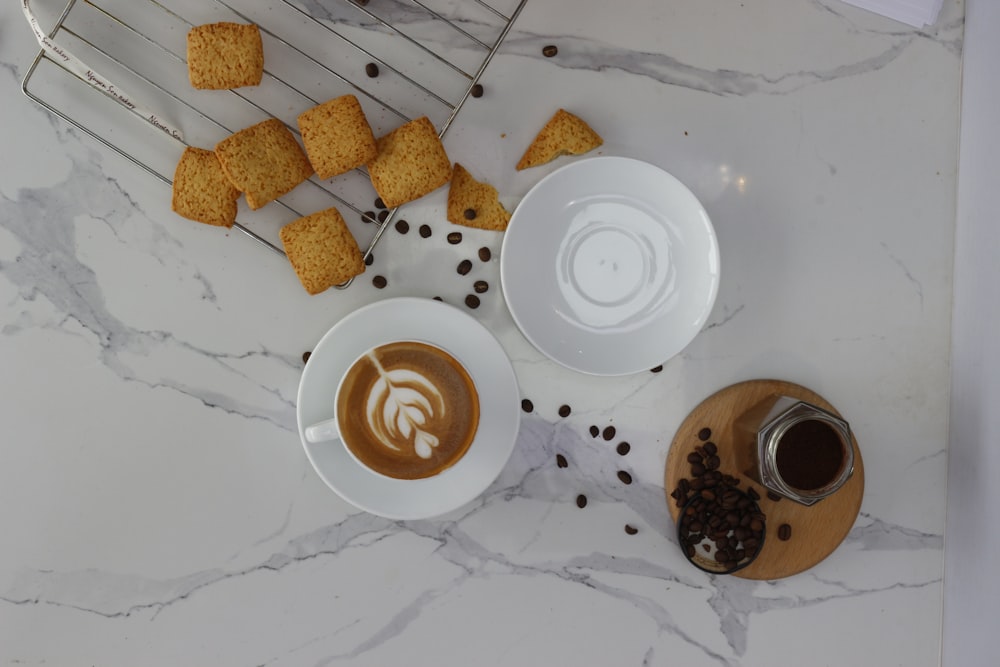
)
(430, 55)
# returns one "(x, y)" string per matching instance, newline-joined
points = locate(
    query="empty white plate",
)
(610, 266)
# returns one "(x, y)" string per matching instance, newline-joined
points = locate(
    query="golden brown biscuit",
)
(322, 250)
(475, 204)
(337, 136)
(263, 161)
(201, 190)
(564, 134)
(224, 55)
(411, 163)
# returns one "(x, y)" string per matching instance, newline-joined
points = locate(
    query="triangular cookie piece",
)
(475, 204)
(564, 134)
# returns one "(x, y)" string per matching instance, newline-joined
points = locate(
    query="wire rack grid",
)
(429, 56)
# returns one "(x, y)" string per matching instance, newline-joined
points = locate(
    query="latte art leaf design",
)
(400, 405)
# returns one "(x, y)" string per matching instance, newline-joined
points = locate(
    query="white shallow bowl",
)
(610, 266)
(408, 318)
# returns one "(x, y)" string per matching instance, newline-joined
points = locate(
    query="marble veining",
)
(159, 509)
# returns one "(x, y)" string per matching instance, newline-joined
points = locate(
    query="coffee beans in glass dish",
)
(721, 530)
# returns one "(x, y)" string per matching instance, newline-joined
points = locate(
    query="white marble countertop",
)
(158, 507)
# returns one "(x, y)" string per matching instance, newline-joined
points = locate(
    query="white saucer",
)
(409, 318)
(610, 266)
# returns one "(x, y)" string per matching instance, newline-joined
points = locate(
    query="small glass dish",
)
(721, 530)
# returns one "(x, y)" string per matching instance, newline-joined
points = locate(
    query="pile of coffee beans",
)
(721, 527)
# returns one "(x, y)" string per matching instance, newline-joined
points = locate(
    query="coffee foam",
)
(399, 406)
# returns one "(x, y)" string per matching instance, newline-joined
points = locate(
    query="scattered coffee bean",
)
(379, 204)
(594, 431)
(565, 410)
(656, 369)
(694, 457)
(697, 469)
(369, 259)
(379, 282)
(771, 495)
(581, 501)
(464, 267)
(455, 238)
(527, 405)
(470, 214)
(784, 532)
(623, 448)
(369, 216)
(371, 69)
(630, 529)
(425, 231)
(704, 434)
(549, 51)
(752, 492)
(609, 433)
(561, 461)
(361, 2)
(477, 90)
(402, 226)
(305, 356)
(710, 449)
(382, 215)
(480, 286)
(485, 254)
(472, 301)
(437, 298)
(624, 477)
(713, 462)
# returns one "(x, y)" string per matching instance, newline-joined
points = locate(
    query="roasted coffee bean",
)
(756, 524)
(729, 480)
(425, 231)
(470, 214)
(683, 485)
(656, 369)
(379, 204)
(697, 484)
(382, 215)
(549, 50)
(609, 433)
(710, 482)
(752, 492)
(710, 448)
(379, 282)
(369, 216)
(369, 259)
(704, 434)
(455, 238)
(594, 431)
(713, 462)
(371, 69)
(527, 405)
(581, 501)
(480, 286)
(361, 2)
(631, 530)
(708, 494)
(784, 532)
(694, 457)
(472, 301)
(561, 461)
(437, 298)
(565, 410)
(624, 477)
(477, 90)
(689, 550)
(402, 226)
(305, 356)
(485, 254)
(697, 469)
(464, 267)
(771, 495)
(624, 448)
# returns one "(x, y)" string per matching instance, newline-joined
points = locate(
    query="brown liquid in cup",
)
(810, 455)
(408, 410)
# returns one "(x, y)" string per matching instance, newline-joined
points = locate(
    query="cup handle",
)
(322, 431)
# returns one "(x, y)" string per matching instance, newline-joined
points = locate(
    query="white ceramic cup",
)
(330, 429)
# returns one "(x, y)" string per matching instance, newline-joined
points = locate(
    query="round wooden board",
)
(816, 530)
